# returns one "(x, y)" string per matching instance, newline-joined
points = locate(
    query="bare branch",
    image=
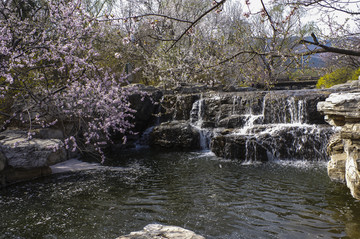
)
(145, 15)
(195, 22)
(269, 16)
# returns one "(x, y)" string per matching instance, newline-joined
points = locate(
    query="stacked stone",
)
(343, 110)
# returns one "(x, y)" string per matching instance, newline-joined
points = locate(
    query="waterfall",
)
(281, 129)
(143, 142)
(196, 121)
(254, 125)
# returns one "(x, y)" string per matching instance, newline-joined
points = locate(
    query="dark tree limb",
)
(322, 49)
(269, 16)
(330, 49)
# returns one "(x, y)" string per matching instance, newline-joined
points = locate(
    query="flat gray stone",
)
(23, 153)
(158, 231)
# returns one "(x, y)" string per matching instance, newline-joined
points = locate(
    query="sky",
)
(313, 15)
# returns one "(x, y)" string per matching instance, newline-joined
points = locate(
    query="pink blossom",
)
(53, 50)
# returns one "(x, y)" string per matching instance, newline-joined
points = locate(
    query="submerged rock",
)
(158, 231)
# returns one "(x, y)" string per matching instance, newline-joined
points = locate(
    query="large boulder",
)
(146, 106)
(239, 147)
(22, 159)
(178, 135)
(158, 231)
(340, 108)
(233, 121)
(352, 166)
(232, 109)
(27, 154)
(182, 106)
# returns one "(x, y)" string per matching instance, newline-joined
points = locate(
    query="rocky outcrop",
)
(175, 135)
(343, 109)
(158, 231)
(336, 165)
(178, 107)
(267, 142)
(146, 106)
(27, 154)
(22, 159)
(240, 147)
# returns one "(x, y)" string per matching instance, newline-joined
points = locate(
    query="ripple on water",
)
(272, 200)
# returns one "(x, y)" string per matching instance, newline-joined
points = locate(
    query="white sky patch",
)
(319, 17)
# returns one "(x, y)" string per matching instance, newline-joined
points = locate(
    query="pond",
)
(213, 197)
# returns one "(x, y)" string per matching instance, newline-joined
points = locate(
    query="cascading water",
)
(196, 121)
(251, 126)
(275, 126)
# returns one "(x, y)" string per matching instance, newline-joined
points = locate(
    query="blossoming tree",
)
(49, 73)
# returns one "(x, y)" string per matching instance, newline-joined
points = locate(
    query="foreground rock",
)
(22, 159)
(158, 231)
(343, 109)
(176, 135)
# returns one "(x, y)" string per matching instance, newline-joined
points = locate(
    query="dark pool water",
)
(213, 197)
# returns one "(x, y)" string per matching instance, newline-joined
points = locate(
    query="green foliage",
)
(339, 76)
(355, 75)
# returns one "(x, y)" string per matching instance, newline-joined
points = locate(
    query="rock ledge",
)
(343, 110)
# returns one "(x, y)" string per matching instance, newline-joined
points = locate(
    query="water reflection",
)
(215, 198)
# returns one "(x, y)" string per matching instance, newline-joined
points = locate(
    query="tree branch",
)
(145, 15)
(275, 55)
(195, 22)
(269, 16)
(329, 48)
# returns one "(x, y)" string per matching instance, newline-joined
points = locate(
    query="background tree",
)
(195, 41)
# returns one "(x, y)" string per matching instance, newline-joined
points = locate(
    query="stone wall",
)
(343, 110)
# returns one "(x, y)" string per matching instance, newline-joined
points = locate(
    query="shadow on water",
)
(213, 197)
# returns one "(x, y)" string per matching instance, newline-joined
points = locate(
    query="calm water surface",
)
(213, 197)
